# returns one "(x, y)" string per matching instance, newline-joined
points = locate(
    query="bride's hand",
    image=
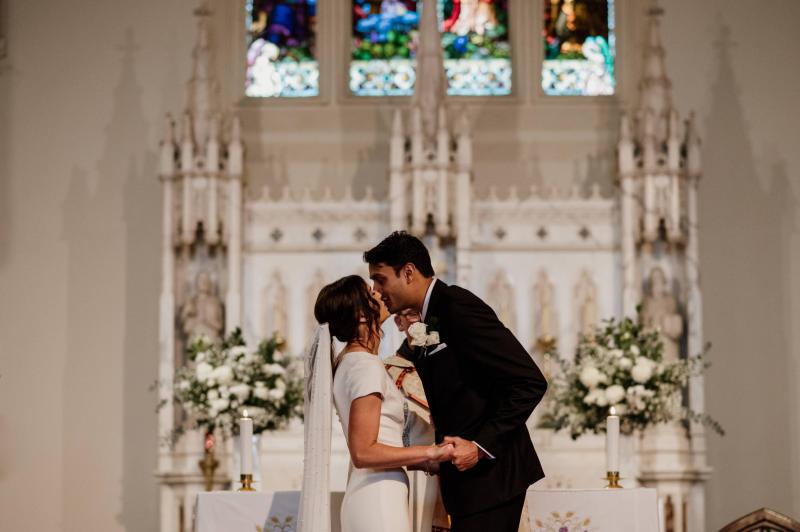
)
(442, 453)
(429, 467)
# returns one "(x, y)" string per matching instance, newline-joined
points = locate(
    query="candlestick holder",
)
(613, 479)
(247, 483)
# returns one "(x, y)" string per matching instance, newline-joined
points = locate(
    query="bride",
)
(372, 413)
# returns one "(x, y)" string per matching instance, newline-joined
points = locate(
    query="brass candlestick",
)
(247, 483)
(613, 479)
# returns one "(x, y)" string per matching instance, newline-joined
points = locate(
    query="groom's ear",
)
(409, 272)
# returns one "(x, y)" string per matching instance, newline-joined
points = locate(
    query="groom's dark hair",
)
(397, 250)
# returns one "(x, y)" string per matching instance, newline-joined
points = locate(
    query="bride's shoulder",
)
(355, 361)
(359, 374)
(358, 363)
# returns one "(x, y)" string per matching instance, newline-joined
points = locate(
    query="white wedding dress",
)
(376, 500)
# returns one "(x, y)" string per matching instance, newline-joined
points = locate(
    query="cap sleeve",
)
(366, 377)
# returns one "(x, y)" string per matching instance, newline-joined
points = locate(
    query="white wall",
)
(82, 94)
(736, 64)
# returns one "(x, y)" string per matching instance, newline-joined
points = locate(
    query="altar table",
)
(232, 511)
(554, 510)
(592, 510)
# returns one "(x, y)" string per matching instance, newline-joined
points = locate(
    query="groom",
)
(480, 383)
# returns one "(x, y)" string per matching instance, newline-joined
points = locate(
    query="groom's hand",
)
(466, 453)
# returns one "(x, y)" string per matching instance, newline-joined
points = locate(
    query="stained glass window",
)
(579, 47)
(281, 54)
(475, 41)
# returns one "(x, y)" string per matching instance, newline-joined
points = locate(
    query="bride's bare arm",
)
(366, 452)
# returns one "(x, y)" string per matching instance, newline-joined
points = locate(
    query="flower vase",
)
(255, 450)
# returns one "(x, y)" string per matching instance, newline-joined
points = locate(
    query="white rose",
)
(261, 392)
(203, 371)
(433, 338)
(635, 350)
(223, 374)
(241, 391)
(602, 399)
(220, 404)
(641, 374)
(280, 384)
(276, 394)
(616, 353)
(590, 377)
(212, 395)
(238, 350)
(273, 369)
(184, 386)
(201, 357)
(643, 370)
(277, 356)
(615, 393)
(593, 396)
(418, 332)
(624, 363)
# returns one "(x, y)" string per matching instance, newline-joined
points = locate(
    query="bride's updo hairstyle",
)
(343, 305)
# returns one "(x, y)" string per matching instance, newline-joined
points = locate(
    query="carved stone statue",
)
(660, 313)
(503, 300)
(202, 314)
(545, 321)
(275, 307)
(586, 304)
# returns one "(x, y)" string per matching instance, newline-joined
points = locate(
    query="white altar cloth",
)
(595, 510)
(232, 511)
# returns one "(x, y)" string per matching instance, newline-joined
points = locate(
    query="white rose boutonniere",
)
(418, 334)
(422, 335)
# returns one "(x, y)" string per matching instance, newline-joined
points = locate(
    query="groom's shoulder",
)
(462, 296)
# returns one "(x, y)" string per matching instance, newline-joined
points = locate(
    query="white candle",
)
(246, 440)
(612, 441)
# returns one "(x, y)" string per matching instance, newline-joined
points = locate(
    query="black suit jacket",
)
(482, 387)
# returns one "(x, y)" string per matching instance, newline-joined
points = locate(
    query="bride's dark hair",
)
(343, 304)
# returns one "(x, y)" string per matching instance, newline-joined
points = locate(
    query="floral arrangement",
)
(620, 365)
(220, 381)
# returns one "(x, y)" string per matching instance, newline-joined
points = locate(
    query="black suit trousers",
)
(502, 518)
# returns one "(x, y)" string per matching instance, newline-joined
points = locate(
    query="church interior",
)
(178, 168)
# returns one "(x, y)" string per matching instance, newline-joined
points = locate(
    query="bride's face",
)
(384, 311)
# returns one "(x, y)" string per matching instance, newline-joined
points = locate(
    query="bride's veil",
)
(315, 498)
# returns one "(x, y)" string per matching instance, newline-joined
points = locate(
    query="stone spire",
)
(431, 85)
(655, 88)
(201, 89)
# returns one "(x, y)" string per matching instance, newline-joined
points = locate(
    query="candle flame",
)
(244, 414)
(613, 411)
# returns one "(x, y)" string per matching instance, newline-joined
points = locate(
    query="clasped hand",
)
(436, 454)
(465, 454)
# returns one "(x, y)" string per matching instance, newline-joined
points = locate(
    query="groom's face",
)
(394, 287)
